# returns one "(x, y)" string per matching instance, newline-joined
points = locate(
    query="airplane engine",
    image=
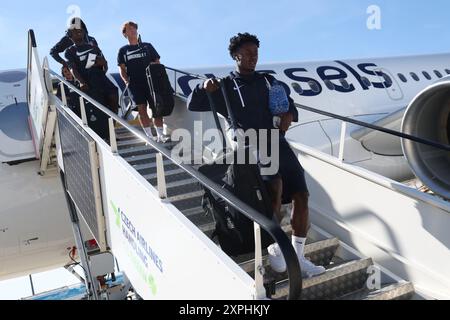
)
(428, 116)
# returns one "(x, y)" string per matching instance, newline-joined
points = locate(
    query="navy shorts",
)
(290, 171)
(101, 85)
(100, 88)
(141, 95)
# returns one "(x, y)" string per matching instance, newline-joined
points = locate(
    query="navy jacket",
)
(64, 44)
(249, 99)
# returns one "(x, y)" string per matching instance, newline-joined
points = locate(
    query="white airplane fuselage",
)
(35, 231)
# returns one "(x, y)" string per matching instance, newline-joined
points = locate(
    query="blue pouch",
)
(278, 99)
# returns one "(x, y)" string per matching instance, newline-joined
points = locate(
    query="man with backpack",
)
(66, 41)
(89, 67)
(133, 60)
(248, 93)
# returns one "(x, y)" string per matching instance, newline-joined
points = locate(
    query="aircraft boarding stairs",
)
(345, 278)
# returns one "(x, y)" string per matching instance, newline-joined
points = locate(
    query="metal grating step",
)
(187, 201)
(171, 176)
(151, 168)
(188, 187)
(398, 291)
(144, 149)
(336, 282)
(181, 187)
(149, 165)
(208, 228)
(127, 135)
(202, 219)
(194, 211)
(130, 143)
(135, 159)
(122, 130)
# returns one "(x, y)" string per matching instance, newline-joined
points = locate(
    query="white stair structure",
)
(343, 280)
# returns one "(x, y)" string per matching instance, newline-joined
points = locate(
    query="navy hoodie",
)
(249, 99)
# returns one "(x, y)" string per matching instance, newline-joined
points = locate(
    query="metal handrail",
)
(274, 229)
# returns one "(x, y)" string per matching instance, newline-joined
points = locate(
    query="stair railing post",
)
(161, 175)
(112, 137)
(63, 94)
(260, 290)
(342, 141)
(83, 112)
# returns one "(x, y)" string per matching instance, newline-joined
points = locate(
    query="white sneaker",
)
(309, 269)
(276, 259)
(164, 139)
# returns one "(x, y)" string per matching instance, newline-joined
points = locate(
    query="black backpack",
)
(161, 90)
(234, 230)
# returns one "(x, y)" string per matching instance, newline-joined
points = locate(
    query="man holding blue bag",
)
(259, 102)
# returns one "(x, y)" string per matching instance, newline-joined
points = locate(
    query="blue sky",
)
(192, 33)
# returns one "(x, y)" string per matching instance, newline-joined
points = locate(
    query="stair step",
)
(188, 187)
(144, 149)
(398, 291)
(168, 173)
(127, 135)
(188, 201)
(186, 196)
(336, 282)
(130, 143)
(143, 157)
(208, 228)
(181, 183)
(180, 187)
(149, 165)
(193, 211)
(122, 130)
(320, 253)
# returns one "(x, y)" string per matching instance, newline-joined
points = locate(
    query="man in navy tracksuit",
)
(248, 92)
(89, 67)
(66, 42)
(133, 60)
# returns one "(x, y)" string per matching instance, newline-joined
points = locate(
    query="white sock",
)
(166, 130)
(160, 132)
(148, 132)
(299, 246)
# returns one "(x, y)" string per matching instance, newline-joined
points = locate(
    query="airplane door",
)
(394, 91)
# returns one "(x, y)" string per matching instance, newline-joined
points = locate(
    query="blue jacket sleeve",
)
(60, 47)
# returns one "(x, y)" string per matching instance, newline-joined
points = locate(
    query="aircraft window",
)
(414, 76)
(297, 88)
(366, 81)
(438, 74)
(402, 77)
(447, 70)
(344, 84)
(314, 87)
(427, 75)
(387, 79)
(329, 84)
